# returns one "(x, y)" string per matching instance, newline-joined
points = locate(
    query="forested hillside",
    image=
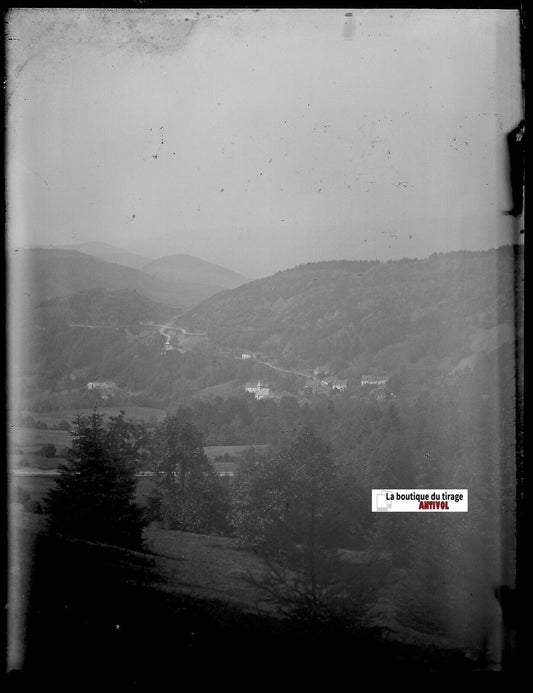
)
(419, 321)
(431, 313)
(102, 307)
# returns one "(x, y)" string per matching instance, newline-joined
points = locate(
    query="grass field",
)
(232, 387)
(213, 451)
(93, 609)
(34, 461)
(25, 446)
(206, 566)
(38, 485)
(32, 439)
(136, 413)
(26, 443)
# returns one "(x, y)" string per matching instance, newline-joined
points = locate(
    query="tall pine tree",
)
(94, 494)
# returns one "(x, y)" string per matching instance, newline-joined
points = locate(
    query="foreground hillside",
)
(97, 612)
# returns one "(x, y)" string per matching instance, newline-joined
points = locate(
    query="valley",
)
(391, 364)
(423, 323)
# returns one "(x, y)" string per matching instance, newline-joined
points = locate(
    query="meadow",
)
(136, 413)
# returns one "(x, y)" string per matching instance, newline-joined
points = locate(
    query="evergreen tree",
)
(94, 494)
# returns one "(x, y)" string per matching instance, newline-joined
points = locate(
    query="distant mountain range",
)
(41, 274)
(194, 270)
(260, 251)
(172, 267)
(180, 281)
(109, 253)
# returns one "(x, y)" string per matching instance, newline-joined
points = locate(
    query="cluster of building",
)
(105, 389)
(169, 346)
(323, 386)
(260, 390)
(376, 387)
(322, 383)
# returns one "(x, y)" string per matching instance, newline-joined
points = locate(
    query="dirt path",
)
(283, 370)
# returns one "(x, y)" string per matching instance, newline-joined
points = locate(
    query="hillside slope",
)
(109, 253)
(41, 274)
(193, 269)
(120, 308)
(434, 312)
(416, 320)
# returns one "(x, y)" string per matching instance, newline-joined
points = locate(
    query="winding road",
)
(169, 327)
(169, 330)
(282, 370)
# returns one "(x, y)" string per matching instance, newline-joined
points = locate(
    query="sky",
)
(262, 139)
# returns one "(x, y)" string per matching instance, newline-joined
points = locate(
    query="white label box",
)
(425, 500)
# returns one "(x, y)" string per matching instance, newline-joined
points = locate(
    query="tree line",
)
(304, 507)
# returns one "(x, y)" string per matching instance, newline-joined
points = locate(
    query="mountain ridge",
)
(45, 273)
(103, 307)
(191, 268)
(380, 314)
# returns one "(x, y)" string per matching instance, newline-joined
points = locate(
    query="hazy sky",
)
(261, 139)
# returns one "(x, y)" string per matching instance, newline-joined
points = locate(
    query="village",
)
(319, 382)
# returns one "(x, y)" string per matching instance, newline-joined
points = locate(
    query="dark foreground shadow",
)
(102, 615)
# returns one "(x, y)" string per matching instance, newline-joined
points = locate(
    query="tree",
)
(189, 495)
(48, 450)
(286, 509)
(93, 495)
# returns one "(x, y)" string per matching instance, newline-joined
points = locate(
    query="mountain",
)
(415, 320)
(428, 316)
(109, 253)
(193, 269)
(41, 274)
(260, 251)
(192, 279)
(121, 308)
(219, 247)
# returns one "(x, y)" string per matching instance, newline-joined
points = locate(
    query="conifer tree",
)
(94, 494)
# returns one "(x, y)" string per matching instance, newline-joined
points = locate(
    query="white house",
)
(105, 389)
(379, 394)
(317, 386)
(104, 385)
(339, 384)
(375, 380)
(260, 391)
